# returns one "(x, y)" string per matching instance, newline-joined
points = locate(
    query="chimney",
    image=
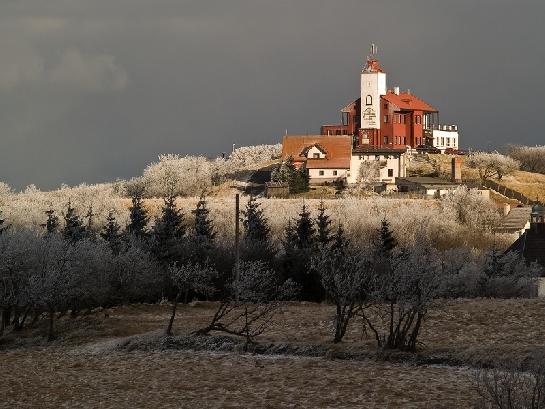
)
(456, 170)
(396, 90)
(409, 91)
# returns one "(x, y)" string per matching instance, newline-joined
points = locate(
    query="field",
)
(86, 368)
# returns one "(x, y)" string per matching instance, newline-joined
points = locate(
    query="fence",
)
(503, 190)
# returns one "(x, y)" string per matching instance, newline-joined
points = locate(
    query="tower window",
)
(390, 173)
(334, 173)
(368, 100)
(321, 173)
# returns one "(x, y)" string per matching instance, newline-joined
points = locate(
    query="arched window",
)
(368, 100)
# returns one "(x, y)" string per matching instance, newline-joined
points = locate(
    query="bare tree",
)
(346, 279)
(249, 306)
(512, 386)
(403, 294)
(190, 277)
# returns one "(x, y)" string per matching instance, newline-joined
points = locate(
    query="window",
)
(334, 173)
(345, 118)
(360, 157)
(368, 100)
(338, 132)
(418, 119)
(377, 157)
(448, 141)
(390, 173)
(321, 173)
(385, 105)
(385, 119)
(385, 139)
(316, 155)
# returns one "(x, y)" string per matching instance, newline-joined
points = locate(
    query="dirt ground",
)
(76, 371)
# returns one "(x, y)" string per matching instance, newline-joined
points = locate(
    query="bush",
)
(492, 164)
(531, 158)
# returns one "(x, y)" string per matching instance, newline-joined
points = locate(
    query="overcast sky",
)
(93, 90)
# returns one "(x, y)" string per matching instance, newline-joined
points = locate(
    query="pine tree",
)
(305, 229)
(256, 239)
(256, 227)
(138, 216)
(74, 229)
(52, 223)
(89, 229)
(203, 232)
(2, 221)
(387, 242)
(340, 241)
(168, 230)
(203, 225)
(110, 233)
(323, 223)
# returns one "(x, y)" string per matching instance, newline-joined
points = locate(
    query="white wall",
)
(373, 84)
(445, 139)
(315, 176)
(314, 150)
(397, 163)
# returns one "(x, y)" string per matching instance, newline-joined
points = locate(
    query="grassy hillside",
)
(529, 184)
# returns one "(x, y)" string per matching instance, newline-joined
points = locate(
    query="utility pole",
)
(237, 243)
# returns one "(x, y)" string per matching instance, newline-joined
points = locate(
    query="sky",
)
(92, 91)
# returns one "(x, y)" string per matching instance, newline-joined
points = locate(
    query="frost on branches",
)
(492, 164)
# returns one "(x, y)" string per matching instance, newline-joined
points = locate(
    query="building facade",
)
(388, 118)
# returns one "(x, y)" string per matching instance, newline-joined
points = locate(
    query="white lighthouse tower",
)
(373, 85)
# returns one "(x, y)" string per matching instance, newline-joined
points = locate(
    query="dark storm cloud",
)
(94, 90)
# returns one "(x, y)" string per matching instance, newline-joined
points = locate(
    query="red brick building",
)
(388, 118)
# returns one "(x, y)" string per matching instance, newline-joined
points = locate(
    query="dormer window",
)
(316, 155)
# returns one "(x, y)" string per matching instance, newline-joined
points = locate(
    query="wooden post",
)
(237, 242)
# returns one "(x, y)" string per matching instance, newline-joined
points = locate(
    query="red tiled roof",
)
(408, 102)
(338, 150)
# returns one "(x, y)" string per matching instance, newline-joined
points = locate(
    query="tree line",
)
(71, 267)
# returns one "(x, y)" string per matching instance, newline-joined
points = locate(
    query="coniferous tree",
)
(387, 242)
(168, 231)
(340, 241)
(74, 230)
(256, 239)
(138, 216)
(110, 233)
(52, 223)
(323, 223)
(89, 228)
(305, 229)
(203, 232)
(2, 221)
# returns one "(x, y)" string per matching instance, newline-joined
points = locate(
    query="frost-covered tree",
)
(323, 223)
(470, 208)
(492, 164)
(346, 278)
(368, 172)
(506, 275)
(248, 306)
(531, 158)
(74, 229)
(403, 295)
(5, 189)
(190, 277)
